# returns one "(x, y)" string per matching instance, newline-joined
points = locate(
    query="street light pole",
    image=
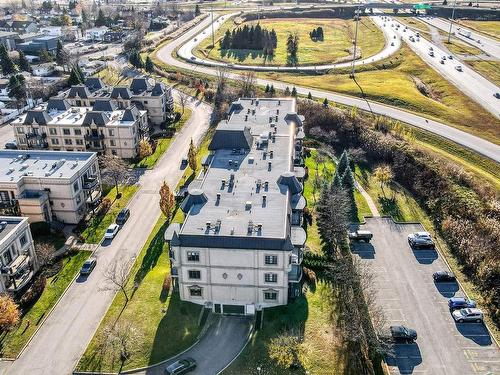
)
(451, 21)
(357, 12)
(213, 37)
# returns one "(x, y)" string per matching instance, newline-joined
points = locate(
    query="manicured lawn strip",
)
(111, 76)
(339, 34)
(407, 209)
(462, 48)
(164, 325)
(12, 343)
(487, 68)
(163, 143)
(98, 224)
(394, 82)
(310, 314)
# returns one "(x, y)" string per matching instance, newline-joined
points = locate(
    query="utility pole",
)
(357, 16)
(451, 21)
(213, 36)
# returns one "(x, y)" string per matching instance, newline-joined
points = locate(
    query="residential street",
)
(62, 339)
(477, 144)
(408, 296)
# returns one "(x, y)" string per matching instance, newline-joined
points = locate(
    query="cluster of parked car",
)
(111, 232)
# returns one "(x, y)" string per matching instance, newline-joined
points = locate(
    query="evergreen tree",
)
(75, 77)
(17, 88)
(8, 66)
(337, 181)
(24, 64)
(294, 92)
(343, 163)
(149, 65)
(267, 88)
(101, 19)
(272, 91)
(348, 180)
(287, 91)
(197, 11)
(62, 56)
(325, 103)
(309, 96)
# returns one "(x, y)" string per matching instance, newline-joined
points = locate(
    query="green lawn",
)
(396, 81)
(338, 33)
(98, 224)
(14, 341)
(163, 143)
(164, 324)
(309, 315)
(111, 76)
(457, 47)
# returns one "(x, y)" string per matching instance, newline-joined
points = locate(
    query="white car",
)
(111, 231)
(468, 315)
(458, 68)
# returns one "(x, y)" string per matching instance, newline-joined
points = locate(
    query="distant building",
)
(18, 261)
(113, 37)
(4, 88)
(43, 70)
(8, 39)
(96, 34)
(36, 46)
(240, 246)
(49, 185)
(52, 30)
(18, 26)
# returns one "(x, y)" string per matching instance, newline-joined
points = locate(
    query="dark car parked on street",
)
(123, 216)
(456, 303)
(443, 276)
(402, 333)
(182, 366)
(88, 266)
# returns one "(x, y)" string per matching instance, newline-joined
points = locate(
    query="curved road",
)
(475, 143)
(392, 44)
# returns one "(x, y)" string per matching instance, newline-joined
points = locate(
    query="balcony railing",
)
(31, 135)
(295, 275)
(90, 183)
(297, 256)
(94, 137)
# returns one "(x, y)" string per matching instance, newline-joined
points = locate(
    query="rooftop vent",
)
(271, 154)
(269, 165)
(264, 199)
(250, 227)
(217, 225)
(248, 205)
(250, 160)
(223, 184)
(208, 224)
(246, 117)
(218, 199)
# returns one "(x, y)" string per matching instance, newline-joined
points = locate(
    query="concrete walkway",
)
(368, 198)
(221, 343)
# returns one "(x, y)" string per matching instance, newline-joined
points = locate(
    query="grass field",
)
(164, 325)
(335, 47)
(490, 28)
(98, 224)
(489, 69)
(14, 341)
(461, 48)
(395, 81)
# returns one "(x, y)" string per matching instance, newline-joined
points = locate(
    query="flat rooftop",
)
(12, 223)
(254, 196)
(18, 164)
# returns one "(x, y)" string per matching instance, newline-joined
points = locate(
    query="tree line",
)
(253, 37)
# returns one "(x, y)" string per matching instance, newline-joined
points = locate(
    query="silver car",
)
(420, 239)
(468, 315)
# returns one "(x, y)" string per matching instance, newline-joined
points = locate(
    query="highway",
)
(472, 142)
(488, 45)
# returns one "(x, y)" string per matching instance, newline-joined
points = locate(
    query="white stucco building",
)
(49, 185)
(18, 262)
(240, 246)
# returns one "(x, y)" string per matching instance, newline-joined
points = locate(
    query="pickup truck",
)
(361, 235)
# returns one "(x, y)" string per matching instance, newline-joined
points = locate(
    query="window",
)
(23, 240)
(52, 131)
(271, 278)
(78, 131)
(54, 141)
(112, 142)
(66, 132)
(13, 251)
(195, 291)
(78, 199)
(76, 186)
(68, 142)
(194, 274)
(111, 132)
(193, 256)
(7, 258)
(20, 130)
(271, 259)
(22, 140)
(270, 295)
(79, 142)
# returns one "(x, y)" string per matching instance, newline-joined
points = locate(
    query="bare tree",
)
(116, 277)
(44, 252)
(167, 201)
(247, 85)
(183, 99)
(114, 170)
(125, 337)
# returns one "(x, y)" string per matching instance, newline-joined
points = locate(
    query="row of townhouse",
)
(239, 248)
(93, 117)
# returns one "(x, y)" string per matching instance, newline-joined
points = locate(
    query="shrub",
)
(34, 292)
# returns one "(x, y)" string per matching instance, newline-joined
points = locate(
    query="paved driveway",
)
(409, 296)
(222, 342)
(62, 339)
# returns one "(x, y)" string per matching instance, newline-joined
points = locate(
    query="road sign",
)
(422, 6)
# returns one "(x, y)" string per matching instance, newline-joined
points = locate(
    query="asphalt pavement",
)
(477, 144)
(64, 336)
(408, 296)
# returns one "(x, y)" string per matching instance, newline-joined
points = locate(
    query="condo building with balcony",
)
(239, 248)
(49, 185)
(103, 128)
(18, 261)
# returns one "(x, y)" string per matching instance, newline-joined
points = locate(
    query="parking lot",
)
(410, 297)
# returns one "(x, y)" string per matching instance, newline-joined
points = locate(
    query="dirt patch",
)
(425, 89)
